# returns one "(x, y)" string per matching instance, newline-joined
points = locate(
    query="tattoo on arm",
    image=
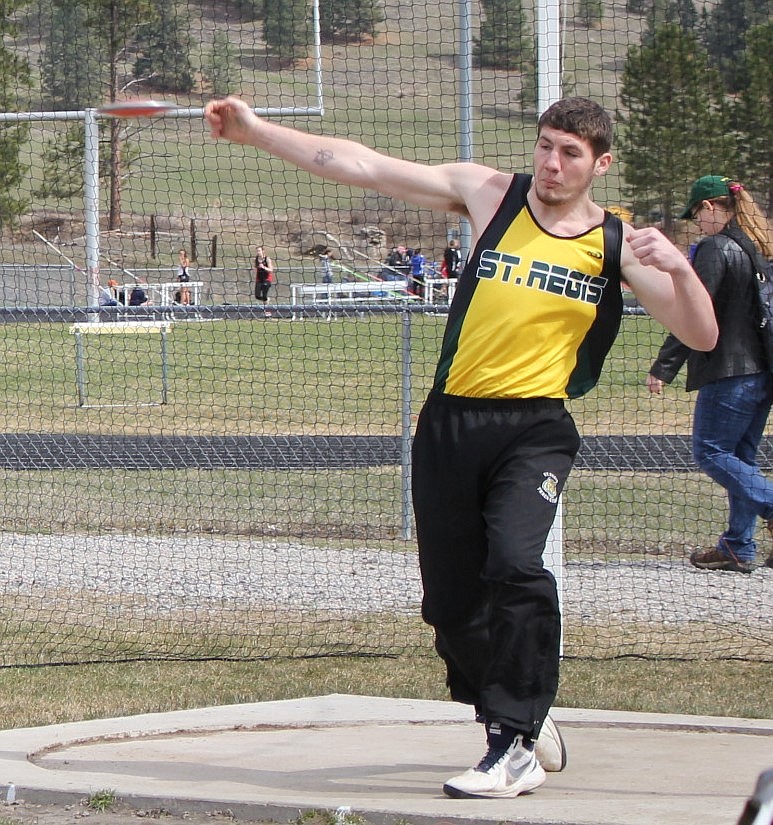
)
(323, 157)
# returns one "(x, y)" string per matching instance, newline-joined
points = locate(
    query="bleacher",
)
(351, 292)
(346, 293)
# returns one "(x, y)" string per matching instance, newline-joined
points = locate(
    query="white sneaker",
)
(550, 747)
(501, 773)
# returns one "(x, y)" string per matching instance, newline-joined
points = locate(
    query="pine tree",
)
(71, 66)
(660, 12)
(527, 97)
(349, 20)
(164, 60)
(222, 70)
(506, 40)
(686, 14)
(115, 24)
(287, 29)
(674, 122)
(14, 75)
(725, 36)
(251, 9)
(63, 159)
(590, 13)
(754, 114)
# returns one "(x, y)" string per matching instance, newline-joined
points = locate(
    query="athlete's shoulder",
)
(486, 195)
(485, 179)
(626, 228)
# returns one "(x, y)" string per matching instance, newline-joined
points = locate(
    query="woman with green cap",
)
(734, 380)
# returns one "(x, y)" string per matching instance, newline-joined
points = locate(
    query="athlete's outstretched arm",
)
(668, 287)
(445, 187)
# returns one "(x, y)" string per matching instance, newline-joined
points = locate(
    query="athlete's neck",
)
(565, 218)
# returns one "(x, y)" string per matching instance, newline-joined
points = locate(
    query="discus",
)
(136, 108)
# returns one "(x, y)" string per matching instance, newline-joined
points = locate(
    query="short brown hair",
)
(582, 117)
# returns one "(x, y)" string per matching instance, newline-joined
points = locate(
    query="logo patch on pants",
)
(549, 488)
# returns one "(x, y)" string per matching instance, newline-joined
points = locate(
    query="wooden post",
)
(194, 255)
(213, 251)
(153, 238)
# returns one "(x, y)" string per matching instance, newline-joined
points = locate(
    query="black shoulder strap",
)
(746, 243)
(613, 244)
(513, 201)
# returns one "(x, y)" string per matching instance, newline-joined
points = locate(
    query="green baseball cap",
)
(705, 189)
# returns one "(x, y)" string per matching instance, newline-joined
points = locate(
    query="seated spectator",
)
(118, 294)
(403, 265)
(390, 271)
(138, 297)
(106, 297)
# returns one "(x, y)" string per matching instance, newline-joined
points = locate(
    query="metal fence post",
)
(466, 110)
(91, 204)
(164, 368)
(80, 377)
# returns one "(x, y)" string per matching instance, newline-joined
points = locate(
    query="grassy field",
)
(225, 377)
(239, 377)
(302, 377)
(49, 695)
(308, 377)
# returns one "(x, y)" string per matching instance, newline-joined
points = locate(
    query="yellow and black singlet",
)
(534, 314)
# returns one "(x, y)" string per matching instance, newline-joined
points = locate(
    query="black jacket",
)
(728, 275)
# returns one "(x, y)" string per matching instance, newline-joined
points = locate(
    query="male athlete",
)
(536, 310)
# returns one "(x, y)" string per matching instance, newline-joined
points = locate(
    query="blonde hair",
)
(750, 218)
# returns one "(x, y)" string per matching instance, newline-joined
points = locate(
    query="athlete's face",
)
(564, 167)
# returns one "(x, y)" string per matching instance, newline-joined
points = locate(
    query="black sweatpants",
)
(487, 474)
(261, 290)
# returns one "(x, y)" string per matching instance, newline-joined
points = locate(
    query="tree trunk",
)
(114, 216)
(114, 213)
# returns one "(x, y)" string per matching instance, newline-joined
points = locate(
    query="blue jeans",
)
(730, 418)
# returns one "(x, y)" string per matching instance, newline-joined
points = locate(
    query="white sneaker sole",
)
(550, 748)
(526, 785)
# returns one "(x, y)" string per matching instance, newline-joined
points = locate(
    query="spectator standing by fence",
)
(495, 426)
(264, 274)
(183, 294)
(418, 265)
(734, 381)
(452, 260)
(327, 267)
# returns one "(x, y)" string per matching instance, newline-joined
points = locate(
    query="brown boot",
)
(715, 559)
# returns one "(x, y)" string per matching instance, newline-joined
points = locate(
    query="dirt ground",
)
(29, 813)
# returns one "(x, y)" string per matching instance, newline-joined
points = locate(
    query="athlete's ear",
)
(603, 162)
